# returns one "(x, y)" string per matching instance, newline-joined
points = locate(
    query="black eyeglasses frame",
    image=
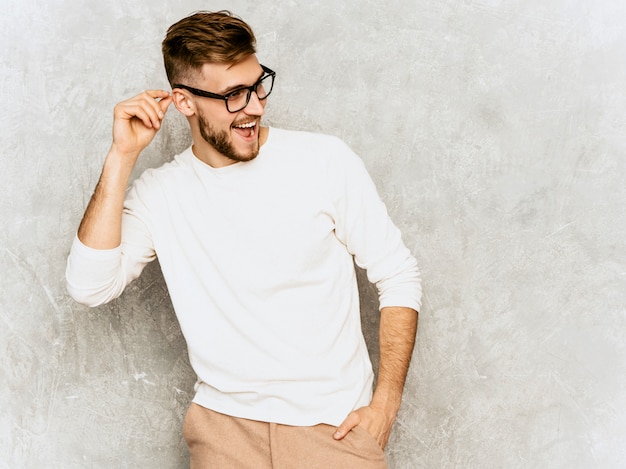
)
(225, 97)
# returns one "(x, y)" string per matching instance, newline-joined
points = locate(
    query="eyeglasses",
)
(238, 99)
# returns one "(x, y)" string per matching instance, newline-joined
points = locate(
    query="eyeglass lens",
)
(238, 99)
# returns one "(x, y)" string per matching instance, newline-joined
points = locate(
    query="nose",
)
(255, 106)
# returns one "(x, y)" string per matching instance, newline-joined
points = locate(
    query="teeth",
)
(245, 126)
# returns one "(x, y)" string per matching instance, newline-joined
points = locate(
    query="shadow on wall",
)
(370, 316)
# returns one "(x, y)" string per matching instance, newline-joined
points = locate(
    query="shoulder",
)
(156, 181)
(318, 149)
(303, 140)
(179, 165)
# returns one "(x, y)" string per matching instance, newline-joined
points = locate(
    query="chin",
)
(242, 156)
(245, 154)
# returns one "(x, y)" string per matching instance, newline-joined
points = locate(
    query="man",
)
(257, 230)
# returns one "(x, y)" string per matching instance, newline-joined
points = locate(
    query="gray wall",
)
(495, 133)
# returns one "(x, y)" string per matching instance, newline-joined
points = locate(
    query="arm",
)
(363, 224)
(97, 269)
(398, 326)
(136, 122)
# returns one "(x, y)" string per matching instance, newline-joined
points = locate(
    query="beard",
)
(220, 140)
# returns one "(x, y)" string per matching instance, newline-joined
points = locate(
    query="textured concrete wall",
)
(495, 133)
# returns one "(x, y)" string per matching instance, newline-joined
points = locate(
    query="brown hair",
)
(205, 37)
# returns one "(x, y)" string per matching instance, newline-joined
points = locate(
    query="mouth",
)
(246, 130)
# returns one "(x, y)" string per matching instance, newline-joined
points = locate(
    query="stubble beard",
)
(220, 140)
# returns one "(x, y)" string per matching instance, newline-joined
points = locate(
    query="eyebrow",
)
(237, 87)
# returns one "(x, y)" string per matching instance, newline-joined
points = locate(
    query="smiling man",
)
(257, 230)
(243, 116)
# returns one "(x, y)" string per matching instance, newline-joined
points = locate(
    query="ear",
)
(183, 102)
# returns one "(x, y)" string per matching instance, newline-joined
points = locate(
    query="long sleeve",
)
(364, 226)
(95, 277)
(258, 258)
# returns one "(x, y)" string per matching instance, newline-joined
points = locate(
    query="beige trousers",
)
(218, 441)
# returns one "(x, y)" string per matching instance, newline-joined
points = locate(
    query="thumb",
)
(165, 103)
(351, 421)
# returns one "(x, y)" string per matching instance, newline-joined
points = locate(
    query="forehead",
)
(220, 78)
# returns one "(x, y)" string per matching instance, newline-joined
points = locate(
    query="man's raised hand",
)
(137, 120)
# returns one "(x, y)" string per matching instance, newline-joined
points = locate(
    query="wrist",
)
(118, 166)
(119, 153)
(387, 402)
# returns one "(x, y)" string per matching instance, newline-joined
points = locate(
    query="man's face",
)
(234, 136)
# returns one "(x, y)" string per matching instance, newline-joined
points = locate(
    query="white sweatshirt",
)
(258, 260)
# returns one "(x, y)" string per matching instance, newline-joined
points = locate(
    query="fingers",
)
(351, 421)
(149, 107)
(137, 120)
(374, 422)
(164, 103)
(163, 100)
